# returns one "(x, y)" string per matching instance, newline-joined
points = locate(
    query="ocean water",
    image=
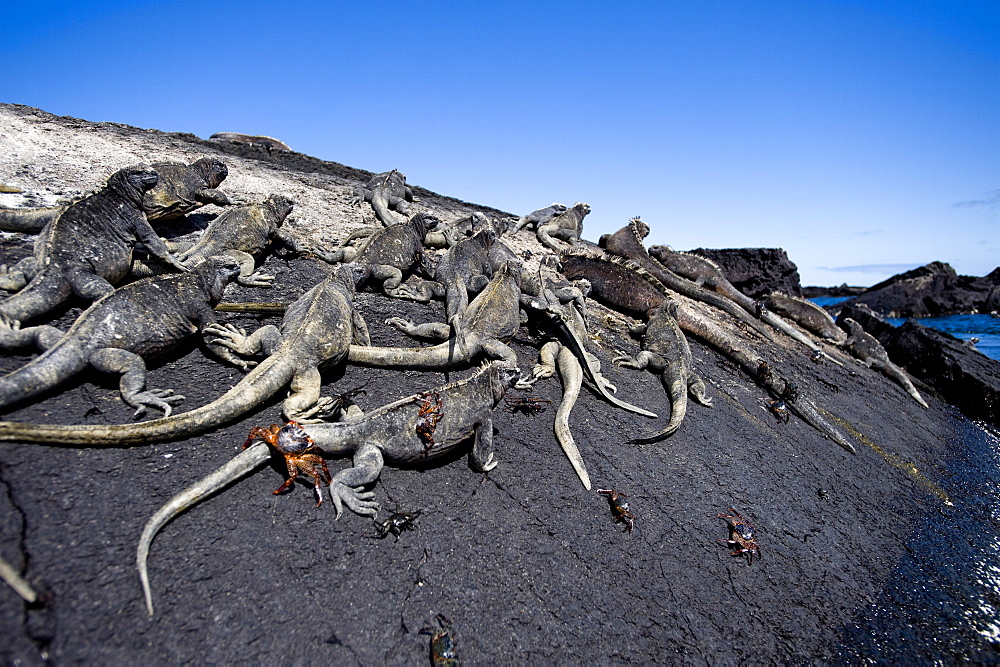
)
(965, 327)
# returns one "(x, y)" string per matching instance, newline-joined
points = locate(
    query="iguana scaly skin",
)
(181, 188)
(567, 226)
(627, 242)
(388, 254)
(388, 434)
(807, 314)
(243, 233)
(870, 352)
(705, 272)
(618, 284)
(88, 248)
(315, 334)
(385, 191)
(118, 331)
(665, 352)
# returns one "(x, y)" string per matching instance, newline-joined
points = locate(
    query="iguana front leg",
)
(433, 330)
(304, 403)
(213, 196)
(226, 342)
(346, 485)
(481, 458)
(15, 278)
(421, 292)
(133, 381)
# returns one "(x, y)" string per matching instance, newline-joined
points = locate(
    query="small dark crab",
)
(741, 536)
(764, 374)
(429, 416)
(442, 643)
(620, 508)
(396, 524)
(780, 411)
(301, 455)
(527, 406)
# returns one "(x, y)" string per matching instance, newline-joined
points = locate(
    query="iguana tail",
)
(896, 374)
(382, 212)
(441, 357)
(42, 374)
(28, 220)
(241, 466)
(46, 292)
(263, 382)
(677, 390)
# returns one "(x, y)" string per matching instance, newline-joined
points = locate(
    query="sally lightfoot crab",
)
(741, 536)
(620, 508)
(301, 455)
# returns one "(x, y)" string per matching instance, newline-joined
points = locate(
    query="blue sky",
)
(862, 137)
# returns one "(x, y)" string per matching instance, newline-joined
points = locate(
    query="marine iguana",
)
(705, 272)
(181, 188)
(539, 217)
(269, 143)
(385, 191)
(870, 352)
(625, 286)
(118, 331)
(393, 433)
(387, 254)
(807, 314)
(314, 334)
(567, 226)
(665, 352)
(87, 249)
(465, 267)
(242, 233)
(627, 243)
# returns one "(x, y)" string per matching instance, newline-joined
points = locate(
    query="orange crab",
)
(741, 536)
(301, 455)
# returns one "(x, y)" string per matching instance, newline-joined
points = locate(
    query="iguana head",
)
(421, 222)
(214, 170)
(352, 274)
(133, 182)
(639, 228)
(215, 273)
(280, 205)
(502, 378)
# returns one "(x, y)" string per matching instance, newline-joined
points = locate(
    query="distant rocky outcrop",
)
(813, 291)
(962, 375)
(756, 271)
(931, 291)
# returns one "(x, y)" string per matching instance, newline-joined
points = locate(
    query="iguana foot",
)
(162, 399)
(625, 360)
(256, 279)
(316, 413)
(400, 323)
(229, 336)
(359, 502)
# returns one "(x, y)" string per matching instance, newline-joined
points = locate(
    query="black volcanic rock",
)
(813, 291)
(756, 271)
(931, 291)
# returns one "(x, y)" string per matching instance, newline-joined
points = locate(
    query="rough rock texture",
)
(528, 566)
(962, 375)
(756, 271)
(813, 291)
(931, 291)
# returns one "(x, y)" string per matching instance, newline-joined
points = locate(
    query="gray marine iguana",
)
(181, 189)
(118, 331)
(243, 233)
(388, 254)
(665, 352)
(806, 314)
(869, 351)
(540, 217)
(418, 428)
(87, 249)
(625, 286)
(627, 243)
(314, 335)
(566, 226)
(703, 271)
(385, 191)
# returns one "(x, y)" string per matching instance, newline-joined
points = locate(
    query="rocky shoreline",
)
(527, 564)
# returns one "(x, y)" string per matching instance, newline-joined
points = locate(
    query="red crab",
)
(428, 417)
(301, 455)
(741, 536)
(619, 507)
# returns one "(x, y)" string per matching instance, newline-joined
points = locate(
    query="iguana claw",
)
(154, 398)
(359, 502)
(256, 279)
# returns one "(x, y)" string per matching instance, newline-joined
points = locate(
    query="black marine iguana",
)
(315, 334)
(115, 334)
(806, 314)
(242, 233)
(539, 217)
(665, 352)
(396, 433)
(625, 286)
(181, 188)
(385, 191)
(87, 249)
(870, 352)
